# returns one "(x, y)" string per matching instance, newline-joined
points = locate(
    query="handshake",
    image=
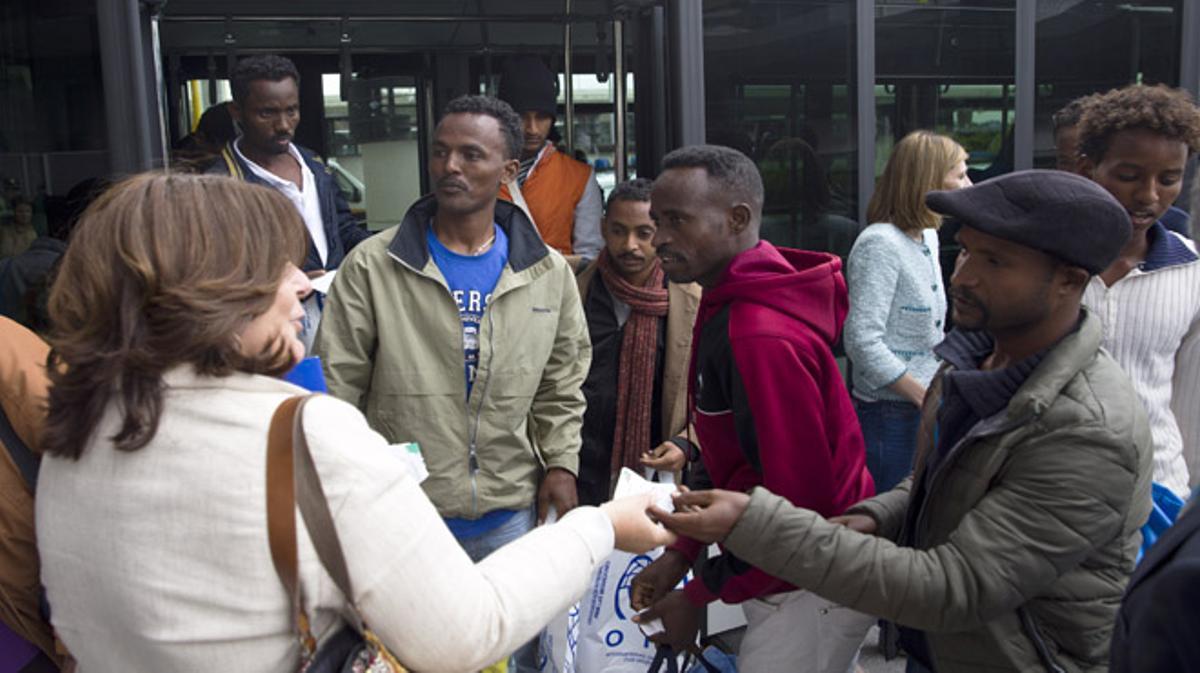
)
(704, 516)
(652, 519)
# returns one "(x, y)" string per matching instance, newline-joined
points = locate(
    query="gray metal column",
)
(568, 86)
(1189, 48)
(686, 35)
(619, 99)
(1026, 92)
(650, 84)
(131, 101)
(864, 88)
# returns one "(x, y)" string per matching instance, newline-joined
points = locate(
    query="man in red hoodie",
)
(769, 406)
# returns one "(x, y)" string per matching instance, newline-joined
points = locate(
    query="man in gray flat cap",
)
(1009, 547)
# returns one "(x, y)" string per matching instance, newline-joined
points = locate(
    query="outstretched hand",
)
(633, 530)
(706, 516)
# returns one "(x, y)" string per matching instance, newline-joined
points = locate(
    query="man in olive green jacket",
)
(1010, 546)
(399, 332)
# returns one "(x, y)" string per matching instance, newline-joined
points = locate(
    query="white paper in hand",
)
(631, 483)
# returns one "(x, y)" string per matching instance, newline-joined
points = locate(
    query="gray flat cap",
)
(1059, 213)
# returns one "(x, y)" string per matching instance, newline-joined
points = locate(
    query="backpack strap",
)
(26, 460)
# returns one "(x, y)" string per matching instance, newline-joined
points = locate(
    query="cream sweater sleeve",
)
(416, 588)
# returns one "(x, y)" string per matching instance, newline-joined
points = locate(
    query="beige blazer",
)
(157, 559)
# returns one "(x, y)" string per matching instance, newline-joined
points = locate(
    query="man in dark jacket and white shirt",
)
(1009, 547)
(266, 106)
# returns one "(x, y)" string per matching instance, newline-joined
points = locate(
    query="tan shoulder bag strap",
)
(314, 509)
(281, 511)
(292, 480)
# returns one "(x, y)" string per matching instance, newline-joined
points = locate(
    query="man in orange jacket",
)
(560, 194)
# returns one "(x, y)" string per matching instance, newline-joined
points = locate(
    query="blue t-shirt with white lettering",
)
(471, 279)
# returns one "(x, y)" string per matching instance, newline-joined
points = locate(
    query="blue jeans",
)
(890, 436)
(524, 660)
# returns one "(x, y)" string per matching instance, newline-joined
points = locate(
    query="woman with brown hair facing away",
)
(175, 309)
(897, 302)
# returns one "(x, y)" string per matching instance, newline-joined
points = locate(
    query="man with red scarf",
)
(641, 331)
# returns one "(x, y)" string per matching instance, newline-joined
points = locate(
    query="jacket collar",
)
(1165, 249)
(989, 391)
(184, 376)
(525, 246)
(240, 170)
(1042, 377)
(1061, 364)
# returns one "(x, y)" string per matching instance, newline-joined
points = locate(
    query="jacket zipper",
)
(473, 459)
(472, 424)
(1035, 636)
(974, 433)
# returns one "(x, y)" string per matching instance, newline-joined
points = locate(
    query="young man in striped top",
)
(1135, 142)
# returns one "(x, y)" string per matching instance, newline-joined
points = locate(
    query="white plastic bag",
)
(608, 642)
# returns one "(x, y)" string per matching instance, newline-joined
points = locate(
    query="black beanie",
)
(527, 84)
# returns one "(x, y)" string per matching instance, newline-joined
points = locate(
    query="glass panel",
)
(52, 117)
(595, 130)
(948, 68)
(1087, 47)
(779, 87)
(197, 98)
(374, 148)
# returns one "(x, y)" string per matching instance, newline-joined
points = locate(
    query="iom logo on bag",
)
(625, 584)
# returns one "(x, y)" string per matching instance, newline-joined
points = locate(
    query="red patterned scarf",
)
(639, 348)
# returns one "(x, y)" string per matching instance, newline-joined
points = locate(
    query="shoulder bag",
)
(292, 479)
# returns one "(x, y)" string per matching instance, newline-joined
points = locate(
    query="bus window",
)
(373, 145)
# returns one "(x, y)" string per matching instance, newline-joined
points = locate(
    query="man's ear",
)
(1073, 279)
(511, 167)
(235, 111)
(1086, 167)
(740, 218)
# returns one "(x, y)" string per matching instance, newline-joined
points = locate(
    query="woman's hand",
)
(633, 530)
(910, 389)
(707, 516)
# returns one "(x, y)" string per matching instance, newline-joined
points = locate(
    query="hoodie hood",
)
(804, 286)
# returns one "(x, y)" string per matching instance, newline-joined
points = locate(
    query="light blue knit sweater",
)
(897, 310)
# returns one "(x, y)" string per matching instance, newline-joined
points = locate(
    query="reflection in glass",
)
(374, 146)
(53, 134)
(778, 87)
(1090, 47)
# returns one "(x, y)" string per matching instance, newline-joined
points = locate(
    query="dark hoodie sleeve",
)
(785, 437)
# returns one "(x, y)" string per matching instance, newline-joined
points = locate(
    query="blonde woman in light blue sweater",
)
(897, 301)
